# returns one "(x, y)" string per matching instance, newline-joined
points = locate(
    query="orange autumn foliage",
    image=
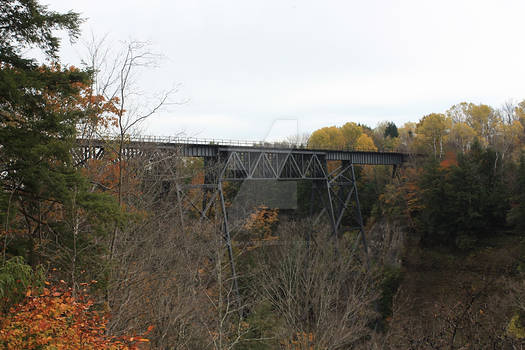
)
(55, 319)
(95, 109)
(300, 340)
(449, 161)
(262, 221)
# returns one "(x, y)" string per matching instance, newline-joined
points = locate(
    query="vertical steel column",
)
(331, 208)
(359, 217)
(311, 210)
(208, 179)
(394, 171)
(227, 238)
(344, 206)
(179, 200)
(341, 206)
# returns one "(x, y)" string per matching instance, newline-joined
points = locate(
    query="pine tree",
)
(463, 202)
(435, 217)
(391, 130)
(35, 139)
(43, 194)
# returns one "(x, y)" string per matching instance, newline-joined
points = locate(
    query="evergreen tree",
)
(391, 130)
(435, 218)
(465, 201)
(479, 192)
(43, 195)
(35, 139)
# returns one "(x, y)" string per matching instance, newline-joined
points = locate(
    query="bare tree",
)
(170, 269)
(320, 292)
(299, 139)
(115, 79)
(476, 319)
(118, 106)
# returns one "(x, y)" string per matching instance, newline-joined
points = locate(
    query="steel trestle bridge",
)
(232, 160)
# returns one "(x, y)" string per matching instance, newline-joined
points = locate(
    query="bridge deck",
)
(216, 148)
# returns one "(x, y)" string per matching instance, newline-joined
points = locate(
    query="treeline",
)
(455, 130)
(465, 180)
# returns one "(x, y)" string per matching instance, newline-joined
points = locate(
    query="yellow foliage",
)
(327, 138)
(351, 133)
(365, 143)
(348, 136)
(462, 135)
(432, 132)
(515, 329)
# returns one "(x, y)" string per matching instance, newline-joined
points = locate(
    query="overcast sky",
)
(298, 65)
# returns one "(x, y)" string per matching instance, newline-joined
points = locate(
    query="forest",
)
(95, 255)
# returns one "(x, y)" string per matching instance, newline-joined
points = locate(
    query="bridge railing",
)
(232, 143)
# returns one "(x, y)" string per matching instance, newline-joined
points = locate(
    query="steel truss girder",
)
(271, 165)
